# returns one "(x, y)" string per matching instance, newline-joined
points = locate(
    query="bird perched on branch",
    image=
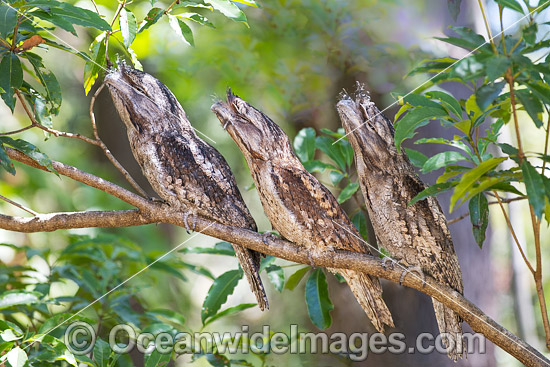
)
(417, 235)
(299, 207)
(185, 172)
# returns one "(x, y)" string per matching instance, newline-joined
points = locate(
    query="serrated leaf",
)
(318, 300)
(217, 295)
(347, 192)
(510, 4)
(229, 311)
(101, 353)
(304, 144)
(8, 20)
(431, 191)
(532, 105)
(534, 185)
(128, 26)
(469, 178)
(151, 18)
(406, 126)
(17, 357)
(276, 276)
(228, 9)
(295, 278)
(479, 217)
(182, 30)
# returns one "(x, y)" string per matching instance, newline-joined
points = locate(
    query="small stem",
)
(14, 40)
(458, 219)
(511, 228)
(546, 141)
(106, 150)
(19, 205)
(487, 27)
(502, 35)
(17, 131)
(171, 5)
(510, 80)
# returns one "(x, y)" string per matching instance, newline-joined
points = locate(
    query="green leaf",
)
(222, 287)
(530, 33)
(486, 95)
(276, 276)
(84, 56)
(5, 161)
(8, 20)
(406, 126)
(295, 278)
(532, 105)
(198, 18)
(220, 248)
(30, 150)
(432, 191)
(79, 16)
(17, 357)
(247, 2)
(98, 62)
(317, 166)
(347, 192)
(341, 153)
(128, 26)
(101, 353)
(510, 4)
(18, 297)
(11, 77)
(228, 9)
(360, 222)
(470, 178)
(417, 159)
(304, 144)
(479, 216)
(170, 315)
(182, 30)
(442, 159)
(447, 101)
(454, 8)
(541, 90)
(9, 335)
(318, 300)
(534, 185)
(229, 311)
(335, 177)
(151, 18)
(498, 65)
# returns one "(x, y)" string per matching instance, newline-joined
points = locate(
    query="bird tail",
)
(368, 292)
(250, 262)
(450, 324)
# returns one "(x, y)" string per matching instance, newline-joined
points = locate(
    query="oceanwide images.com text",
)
(80, 338)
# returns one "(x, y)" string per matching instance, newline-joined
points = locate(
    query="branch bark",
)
(152, 212)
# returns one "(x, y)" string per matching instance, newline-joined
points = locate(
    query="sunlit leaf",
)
(228, 9)
(534, 185)
(128, 26)
(304, 144)
(182, 30)
(432, 191)
(229, 311)
(406, 127)
(276, 276)
(511, 4)
(295, 278)
(151, 18)
(348, 192)
(441, 160)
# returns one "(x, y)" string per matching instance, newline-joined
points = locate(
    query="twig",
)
(18, 205)
(106, 150)
(17, 131)
(452, 221)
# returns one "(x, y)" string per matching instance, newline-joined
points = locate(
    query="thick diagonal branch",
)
(151, 212)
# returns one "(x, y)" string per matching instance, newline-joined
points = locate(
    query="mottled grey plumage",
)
(299, 207)
(417, 234)
(186, 172)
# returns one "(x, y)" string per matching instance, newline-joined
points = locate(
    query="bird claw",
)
(226, 124)
(185, 220)
(267, 236)
(156, 200)
(385, 261)
(412, 269)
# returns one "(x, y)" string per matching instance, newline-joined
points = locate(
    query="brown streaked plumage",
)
(299, 207)
(417, 234)
(186, 172)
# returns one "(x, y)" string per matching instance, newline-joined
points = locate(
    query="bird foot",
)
(185, 220)
(411, 269)
(268, 236)
(156, 200)
(385, 261)
(226, 124)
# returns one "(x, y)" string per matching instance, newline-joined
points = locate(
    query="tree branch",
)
(152, 212)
